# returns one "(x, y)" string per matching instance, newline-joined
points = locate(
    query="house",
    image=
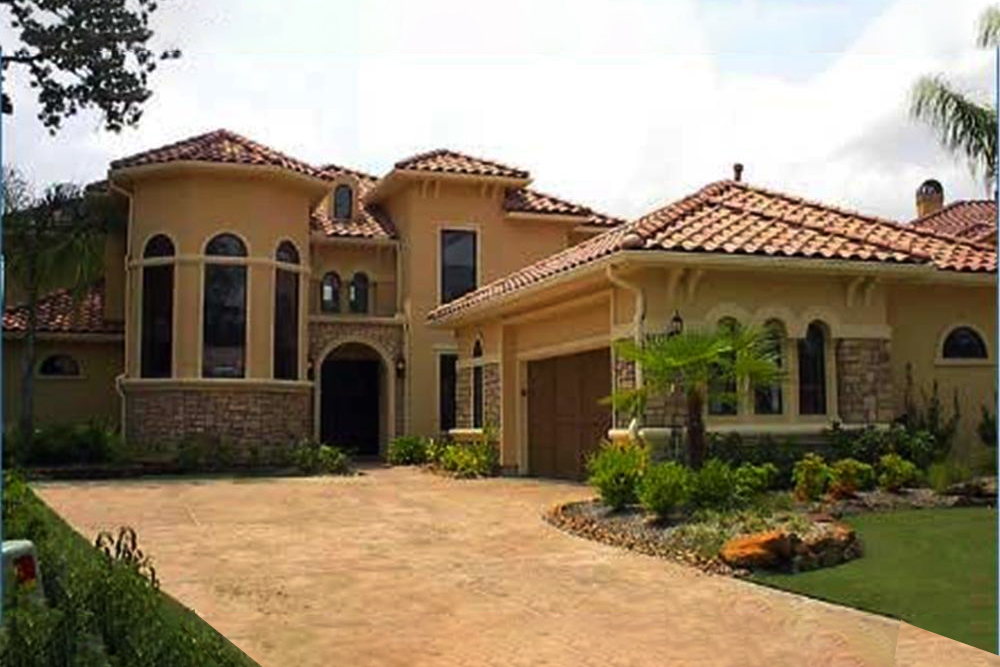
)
(975, 220)
(262, 299)
(864, 308)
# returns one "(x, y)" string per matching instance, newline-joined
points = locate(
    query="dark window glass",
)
(458, 263)
(358, 293)
(477, 388)
(964, 343)
(226, 245)
(59, 365)
(722, 397)
(329, 293)
(159, 246)
(287, 253)
(286, 325)
(225, 321)
(446, 390)
(157, 321)
(343, 202)
(768, 399)
(812, 372)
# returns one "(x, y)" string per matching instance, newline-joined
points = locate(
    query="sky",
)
(623, 105)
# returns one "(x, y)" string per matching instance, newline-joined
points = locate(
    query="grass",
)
(935, 569)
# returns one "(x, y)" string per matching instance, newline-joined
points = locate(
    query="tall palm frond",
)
(989, 28)
(966, 127)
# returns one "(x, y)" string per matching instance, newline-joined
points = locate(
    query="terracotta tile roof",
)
(220, 146)
(366, 180)
(525, 200)
(975, 220)
(372, 223)
(734, 218)
(452, 162)
(59, 313)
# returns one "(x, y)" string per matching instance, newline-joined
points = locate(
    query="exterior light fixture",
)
(676, 324)
(400, 366)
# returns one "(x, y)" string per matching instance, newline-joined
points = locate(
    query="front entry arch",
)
(354, 399)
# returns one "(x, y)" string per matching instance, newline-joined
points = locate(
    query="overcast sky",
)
(620, 104)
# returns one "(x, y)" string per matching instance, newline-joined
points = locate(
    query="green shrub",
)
(942, 475)
(811, 476)
(987, 427)
(408, 450)
(192, 454)
(929, 415)
(89, 443)
(664, 487)
(895, 472)
(475, 459)
(734, 450)
(713, 486)
(435, 449)
(313, 458)
(848, 476)
(750, 481)
(869, 444)
(615, 471)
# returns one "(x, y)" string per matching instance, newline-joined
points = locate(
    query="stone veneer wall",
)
(165, 414)
(864, 381)
(463, 398)
(491, 394)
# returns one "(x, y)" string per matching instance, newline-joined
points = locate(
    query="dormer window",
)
(343, 202)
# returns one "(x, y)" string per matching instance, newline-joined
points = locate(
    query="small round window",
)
(964, 343)
(59, 365)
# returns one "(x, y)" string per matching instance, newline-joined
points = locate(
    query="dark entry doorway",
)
(350, 399)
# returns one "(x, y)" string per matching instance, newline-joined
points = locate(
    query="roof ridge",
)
(401, 164)
(356, 172)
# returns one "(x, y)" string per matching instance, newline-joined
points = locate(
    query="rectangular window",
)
(458, 263)
(447, 375)
(224, 332)
(286, 325)
(157, 321)
(477, 397)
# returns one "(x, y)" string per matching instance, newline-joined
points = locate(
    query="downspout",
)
(119, 379)
(638, 325)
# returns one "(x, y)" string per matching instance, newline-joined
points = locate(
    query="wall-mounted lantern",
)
(400, 366)
(676, 324)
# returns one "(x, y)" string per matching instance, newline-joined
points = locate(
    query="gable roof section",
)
(372, 221)
(974, 220)
(58, 312)
(220, 147)
(526, 200)
(447, 161)
(730, 217)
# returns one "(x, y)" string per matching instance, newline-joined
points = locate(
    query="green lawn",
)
(935, 569)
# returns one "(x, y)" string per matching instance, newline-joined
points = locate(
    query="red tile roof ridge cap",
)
(583, 212)
(950, 205)
(354, 172)
(401, 164)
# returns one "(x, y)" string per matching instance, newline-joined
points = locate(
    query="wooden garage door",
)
(566, 421)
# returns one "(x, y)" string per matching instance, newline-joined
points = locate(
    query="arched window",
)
(286, 314)
(477, 385)
(329, 293)
(964, 343)
(59, 365)
(157, 310)
(358, 293)
(343, 202)
(722, 391)
(224, 315)
(768, 398)
(812, 371)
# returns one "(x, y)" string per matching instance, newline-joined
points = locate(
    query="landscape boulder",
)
(825, 545)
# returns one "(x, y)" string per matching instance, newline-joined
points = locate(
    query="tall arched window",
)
(964, 343)
(722, 390)
(329, 293)
(358, 293)
(477, 385)
(812, 371)
(343, 202)
(157, 330)
(224, 315)
(768, 398)
(286, 314)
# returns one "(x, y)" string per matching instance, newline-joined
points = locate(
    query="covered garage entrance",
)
(566, 420)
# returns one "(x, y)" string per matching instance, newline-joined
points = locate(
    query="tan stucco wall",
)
(69, 400)
(378, 262)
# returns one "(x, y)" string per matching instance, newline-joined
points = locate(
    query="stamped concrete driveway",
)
(400, 567)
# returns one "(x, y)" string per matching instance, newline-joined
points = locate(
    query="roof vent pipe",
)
(737, 172)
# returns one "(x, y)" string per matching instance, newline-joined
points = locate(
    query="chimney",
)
(737, 172)
(930, 197)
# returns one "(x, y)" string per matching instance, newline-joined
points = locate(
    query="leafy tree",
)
(51, 240)
(966, 126)
(731, 360)
(84, 53)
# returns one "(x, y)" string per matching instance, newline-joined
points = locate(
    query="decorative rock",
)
(980, 487)
(827, 545)
(762, 550)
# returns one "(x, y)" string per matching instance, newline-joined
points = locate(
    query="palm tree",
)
(966, 126)
(50, 241)
(721, 364)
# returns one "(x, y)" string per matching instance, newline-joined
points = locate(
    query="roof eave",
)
(397, 177)
(130, 174)
(545, 217)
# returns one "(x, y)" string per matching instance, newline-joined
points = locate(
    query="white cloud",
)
(622, 104)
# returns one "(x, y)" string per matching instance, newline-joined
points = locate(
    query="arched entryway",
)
(354, 399)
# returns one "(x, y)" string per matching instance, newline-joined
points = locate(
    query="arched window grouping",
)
(358, 293)
(768, 398)
(477, 385)
(812, 370)
(59, 366)
(964, 343)
(224, 316)
(329, 293)
(157, 326)
(286, 313)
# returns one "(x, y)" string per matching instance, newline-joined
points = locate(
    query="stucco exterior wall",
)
(378, 262)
